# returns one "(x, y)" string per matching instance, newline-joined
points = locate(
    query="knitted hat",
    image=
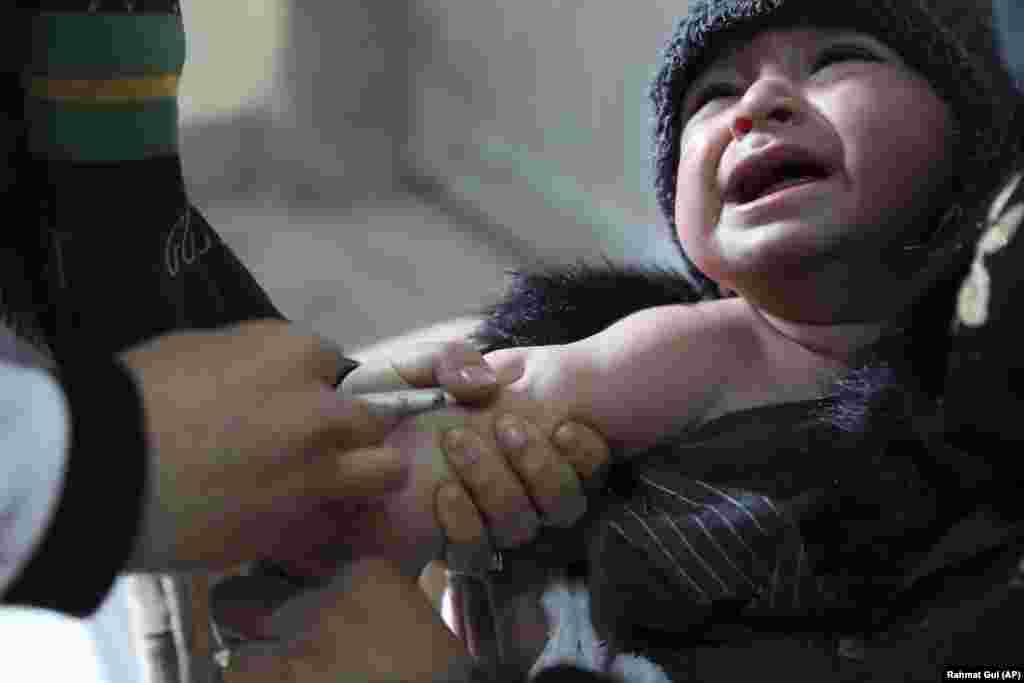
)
(949, 42)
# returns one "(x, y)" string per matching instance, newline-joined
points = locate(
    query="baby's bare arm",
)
(648, 374)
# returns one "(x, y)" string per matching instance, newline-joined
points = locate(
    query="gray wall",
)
(538, 112)
(342, 86)
(306, 100)
(535, 114)
(379, 165)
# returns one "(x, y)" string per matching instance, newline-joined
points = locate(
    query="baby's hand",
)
(533, 441)
(472, 470)
(527, 430)
(517, 466)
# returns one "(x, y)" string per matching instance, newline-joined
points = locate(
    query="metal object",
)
(478, 562)
(348, 366)
(406, 402)
(235, 601)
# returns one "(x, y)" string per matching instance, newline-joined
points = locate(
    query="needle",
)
(406, 402)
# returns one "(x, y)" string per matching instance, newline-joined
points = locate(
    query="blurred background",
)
(378, 165)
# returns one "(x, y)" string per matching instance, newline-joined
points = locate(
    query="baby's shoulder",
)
(769, 368)
(705, 320)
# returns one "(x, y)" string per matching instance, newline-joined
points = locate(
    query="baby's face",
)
(874, 147)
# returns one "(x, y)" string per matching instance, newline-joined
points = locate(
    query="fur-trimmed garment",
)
(853, 538)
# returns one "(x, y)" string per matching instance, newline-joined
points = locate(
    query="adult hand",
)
(522, 473)
(371, 623)
(246, 436)
(472, 504)
(504, 493)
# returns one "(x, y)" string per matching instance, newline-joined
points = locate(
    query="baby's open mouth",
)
(772, 178)
(771, 170)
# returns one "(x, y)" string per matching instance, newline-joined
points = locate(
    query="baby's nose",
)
(783, 110)
(782, 113)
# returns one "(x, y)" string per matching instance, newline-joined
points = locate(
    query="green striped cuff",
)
(103, 134)
(81, 45)
(102, 88)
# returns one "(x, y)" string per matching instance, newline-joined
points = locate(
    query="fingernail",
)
(460, 449)
(450, 493)
(478, 374)
(565, 437)
(511, 434)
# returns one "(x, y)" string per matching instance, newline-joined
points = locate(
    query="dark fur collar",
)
(563, 304)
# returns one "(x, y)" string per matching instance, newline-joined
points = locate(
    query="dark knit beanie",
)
(950, 42)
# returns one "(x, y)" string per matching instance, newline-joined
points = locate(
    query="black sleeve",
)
(93, 531)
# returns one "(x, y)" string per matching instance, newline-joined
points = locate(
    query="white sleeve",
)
(34, 437)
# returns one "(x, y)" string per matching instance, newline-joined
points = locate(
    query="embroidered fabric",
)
(574, 641)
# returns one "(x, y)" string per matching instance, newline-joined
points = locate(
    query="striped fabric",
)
(102, 87)
(708, 527)
(715, 543)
